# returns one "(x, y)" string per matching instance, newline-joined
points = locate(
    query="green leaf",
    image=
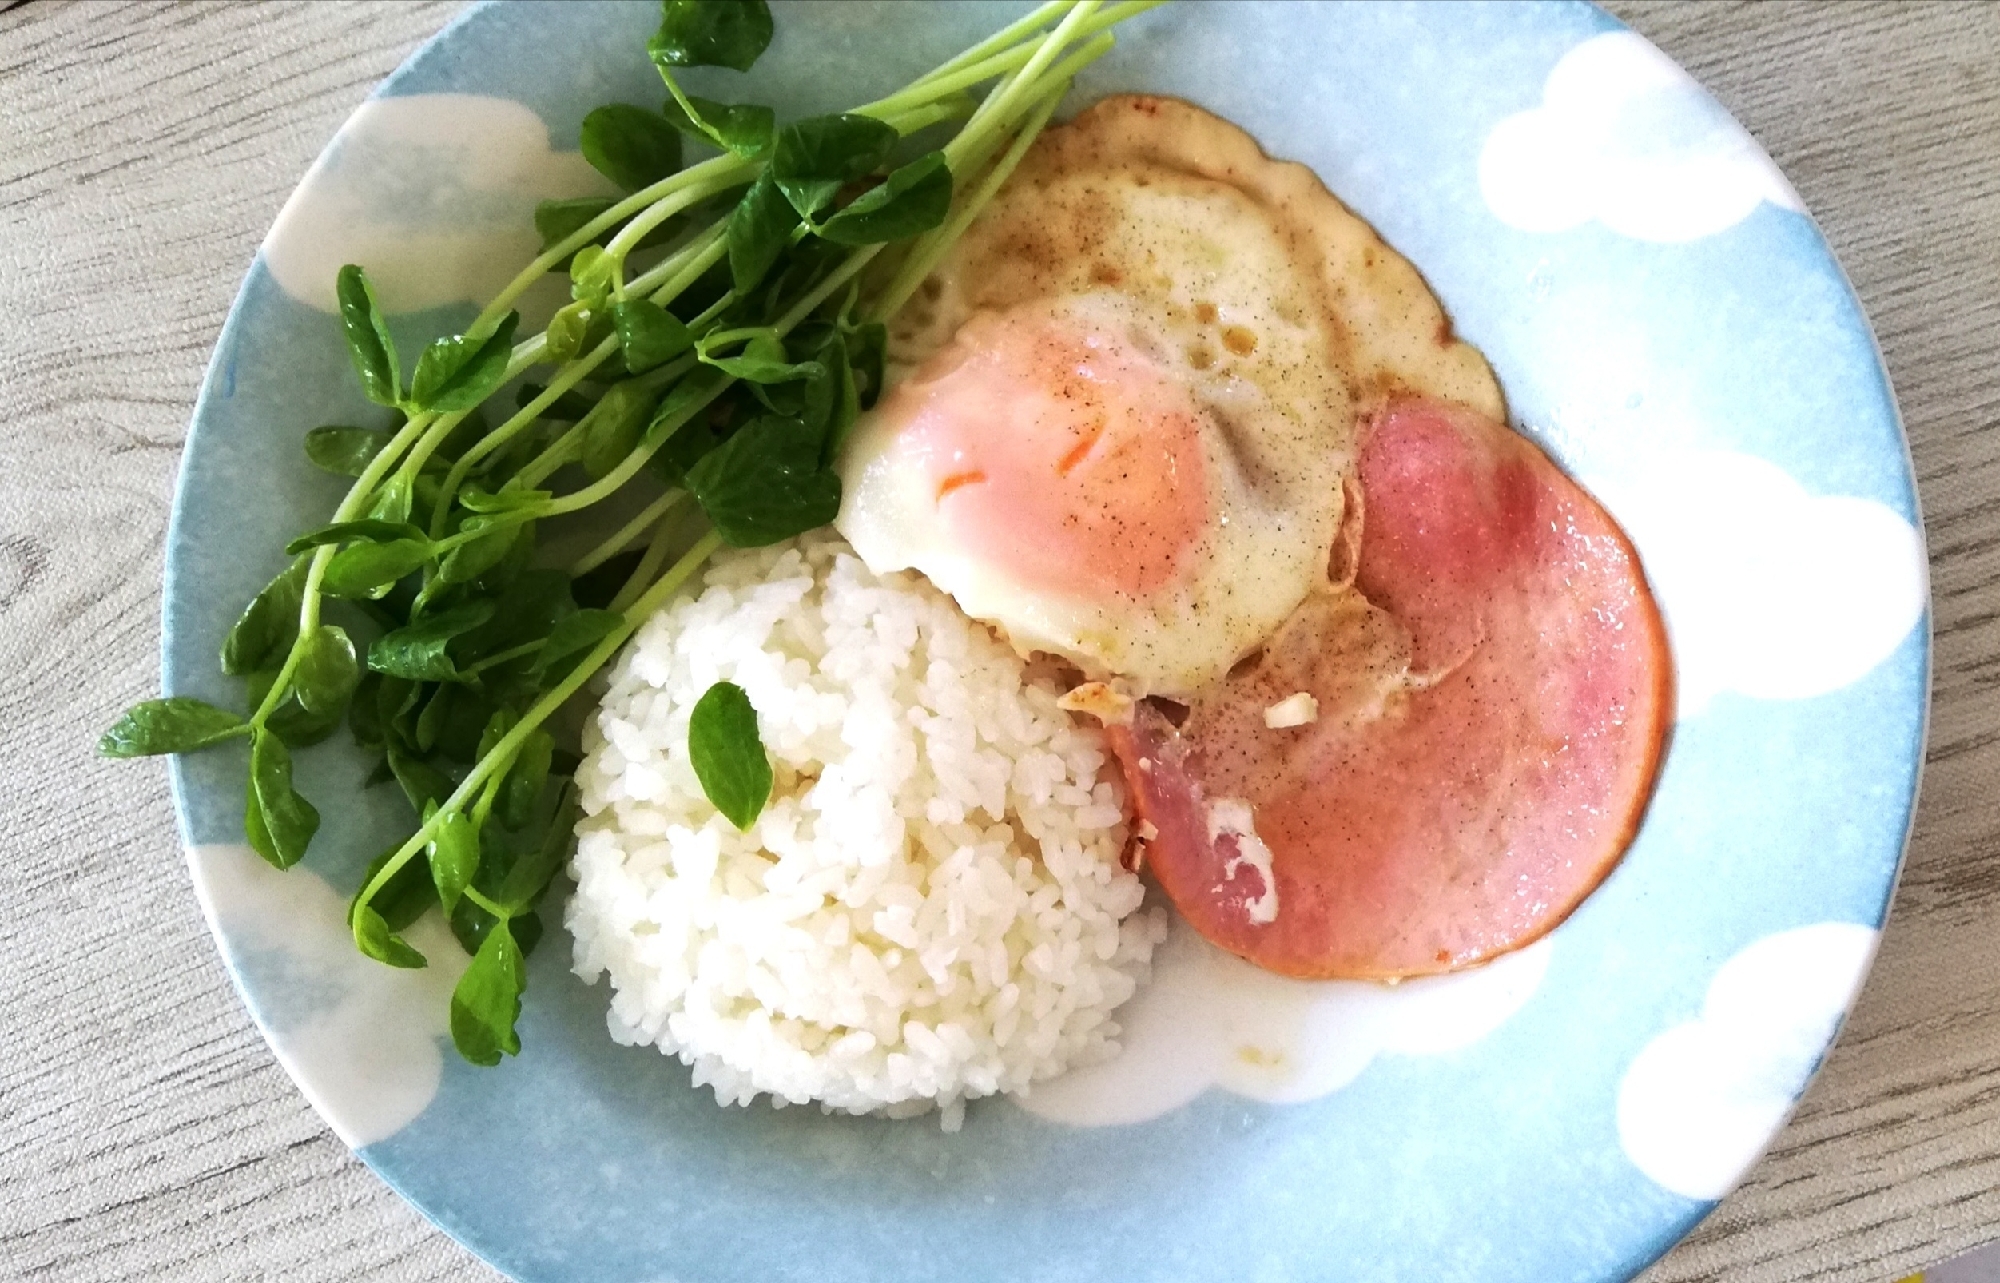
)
(368, 343)
(176, 724)
(912, 200)
(648, 334)
(743, 128)
(431, 721)
(327, 671)
(684, 400)
(711, 33)
(474, 499)
(525, 780)
(573, 637)
(590, 276)
(765, 483)
(761, 360)
(458, 373)
(369, 530)
(403, 898)
(392, 502)
(298, 726)
(364, 717)
(373, 937)
(372, 569)
(475, 557)
(487, 1001)
(829, 402)
(760, 229)
(558, 220)
(344, 451)
(525, 611)
(268, 626)
(815, 158)
(286, 819)
(424, 784)
(728, 758)
(417, 652)
(568, 329)
(454, 856)
(615, 426)
(501, 721)
(531, 873)
(631, 146)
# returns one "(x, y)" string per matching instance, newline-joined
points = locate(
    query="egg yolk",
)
(1064, 455)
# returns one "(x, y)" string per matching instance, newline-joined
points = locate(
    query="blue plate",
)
(1665, 320)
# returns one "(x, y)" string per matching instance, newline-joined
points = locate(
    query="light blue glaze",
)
(585, 1161)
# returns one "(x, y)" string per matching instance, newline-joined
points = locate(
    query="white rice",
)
(930, 910)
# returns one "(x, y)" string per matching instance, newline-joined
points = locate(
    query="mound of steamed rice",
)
(931, 909)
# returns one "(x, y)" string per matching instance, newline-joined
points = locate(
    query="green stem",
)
(510, 743)
(1002, 100)
(351, 506)
(626, 533)
(649, 565)
(925, 255)
(493, 907)
(505, 656)
(693, 175)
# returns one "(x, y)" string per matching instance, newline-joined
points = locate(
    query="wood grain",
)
(145, 1132)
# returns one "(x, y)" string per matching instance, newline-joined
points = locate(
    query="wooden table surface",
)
(146, 1132)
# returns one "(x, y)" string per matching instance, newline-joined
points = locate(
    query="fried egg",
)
(1124, 407)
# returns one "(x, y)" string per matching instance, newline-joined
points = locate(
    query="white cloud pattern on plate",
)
(1209, 1019)
(1768, 591)
(362, 1040)
(434, 194)
(1700, 1102)
(1625, 137)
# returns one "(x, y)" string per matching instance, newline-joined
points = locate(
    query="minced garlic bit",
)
(1293, 710)
(1099, 700)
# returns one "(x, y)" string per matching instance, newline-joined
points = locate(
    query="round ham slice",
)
(1492, 695)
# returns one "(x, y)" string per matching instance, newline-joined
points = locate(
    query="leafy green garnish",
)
(571, 640)
(327, 673)
(744, 128)
(487, 1001)
(278, 821)
(648, 334)
(368, 530)
(344, 451)
(458, 373)
(913, 200)
(631, 146)
(711, 33)
(176, 724)
(614, 427)
(369, 345)
(417, 652)
(372, 933)
(732, 367)
(371, 569)
(267, 626)
(760, 229)
(817, 157)
(761, 359)
(765, 484)
(727, 755)
(454, 856)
